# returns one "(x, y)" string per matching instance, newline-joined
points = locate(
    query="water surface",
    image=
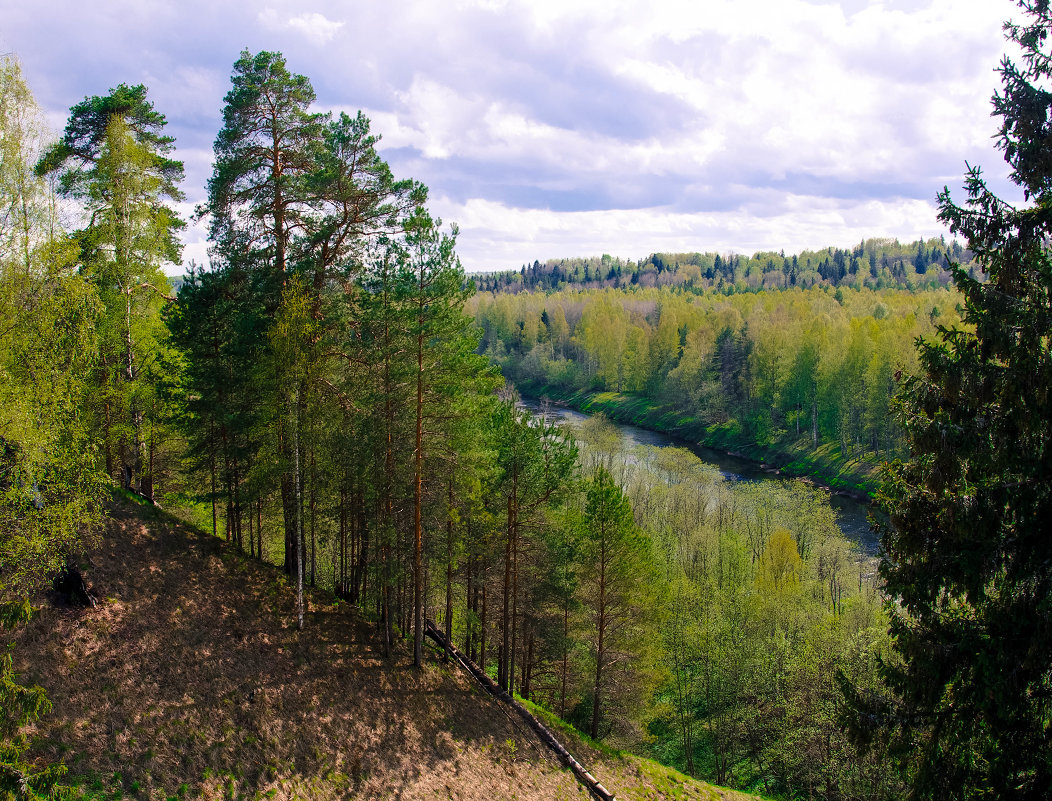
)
(852, 515)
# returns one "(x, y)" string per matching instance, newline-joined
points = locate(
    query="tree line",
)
(873, 263)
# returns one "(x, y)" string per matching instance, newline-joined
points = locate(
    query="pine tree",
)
(294, 193)
(968, 559)
(113, 158)
(446, 367)
(257, 200)
(616, 575)
(537, 463)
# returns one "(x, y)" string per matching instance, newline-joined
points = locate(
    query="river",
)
(852, 515)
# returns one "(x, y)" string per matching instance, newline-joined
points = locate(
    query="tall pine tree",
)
(114, 158)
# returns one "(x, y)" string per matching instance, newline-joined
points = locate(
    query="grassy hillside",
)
(189, 680)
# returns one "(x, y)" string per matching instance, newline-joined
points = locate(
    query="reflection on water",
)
(851, 514)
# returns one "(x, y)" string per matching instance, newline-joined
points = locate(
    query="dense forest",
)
(813, 368)
(316, 397)
(328, 395)
(873, 263)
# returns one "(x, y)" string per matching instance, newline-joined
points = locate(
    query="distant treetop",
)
(876, 263)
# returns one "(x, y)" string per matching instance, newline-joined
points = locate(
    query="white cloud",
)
(759, 92)
(317, 28)
(496, 236)
(672, 125)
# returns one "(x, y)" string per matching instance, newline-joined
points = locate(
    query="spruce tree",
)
(967, 555)
(20, 706)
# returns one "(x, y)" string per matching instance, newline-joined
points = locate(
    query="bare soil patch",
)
(190, 680)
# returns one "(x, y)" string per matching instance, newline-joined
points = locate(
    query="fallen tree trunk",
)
(587, 780)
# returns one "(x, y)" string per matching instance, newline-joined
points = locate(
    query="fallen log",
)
(586, 779)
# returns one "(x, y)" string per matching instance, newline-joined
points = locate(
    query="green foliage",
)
(617, 587)
(328, 382)
(50, 491)
(21, 705)
(792, 371)
(536, 470)
(113, 158)
(873, 263)
(761, 603)
(263, 155)
(293, 193)
(968, 562)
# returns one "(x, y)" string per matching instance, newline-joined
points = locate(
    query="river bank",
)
(787, 456)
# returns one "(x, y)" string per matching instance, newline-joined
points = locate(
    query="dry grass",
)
(190, 680)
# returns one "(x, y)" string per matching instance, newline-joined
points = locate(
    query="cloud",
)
(314, 26)
(869, 99)
(647, 123)
(492, 235)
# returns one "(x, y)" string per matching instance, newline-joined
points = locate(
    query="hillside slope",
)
(190, 680)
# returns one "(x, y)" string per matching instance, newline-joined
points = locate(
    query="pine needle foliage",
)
(968, 560)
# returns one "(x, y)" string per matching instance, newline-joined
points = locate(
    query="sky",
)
(557, 128)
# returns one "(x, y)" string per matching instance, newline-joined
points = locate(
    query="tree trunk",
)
(418, 501)
(566, 657)
(259, 528)
(236, 500)
(299, 513)
(215, 513)
(527, 667)
(513, 647)
(482, 630)
(469, 606)
(449, 570)
(133, 467)
(502, 664)
(601, 633)
(288, 510)
(360, 576)
(814, 422)
(148, 490)
(251, 531)
(313, 515)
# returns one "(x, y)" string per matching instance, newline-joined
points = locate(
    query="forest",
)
(873, 263)
(331, 395)
(810, 371)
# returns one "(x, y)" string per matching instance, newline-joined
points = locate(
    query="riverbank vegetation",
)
(802, 378)
(758, 603)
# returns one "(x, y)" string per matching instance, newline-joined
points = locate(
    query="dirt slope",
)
(189, 680)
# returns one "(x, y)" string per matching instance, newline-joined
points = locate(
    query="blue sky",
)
(558, 128)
